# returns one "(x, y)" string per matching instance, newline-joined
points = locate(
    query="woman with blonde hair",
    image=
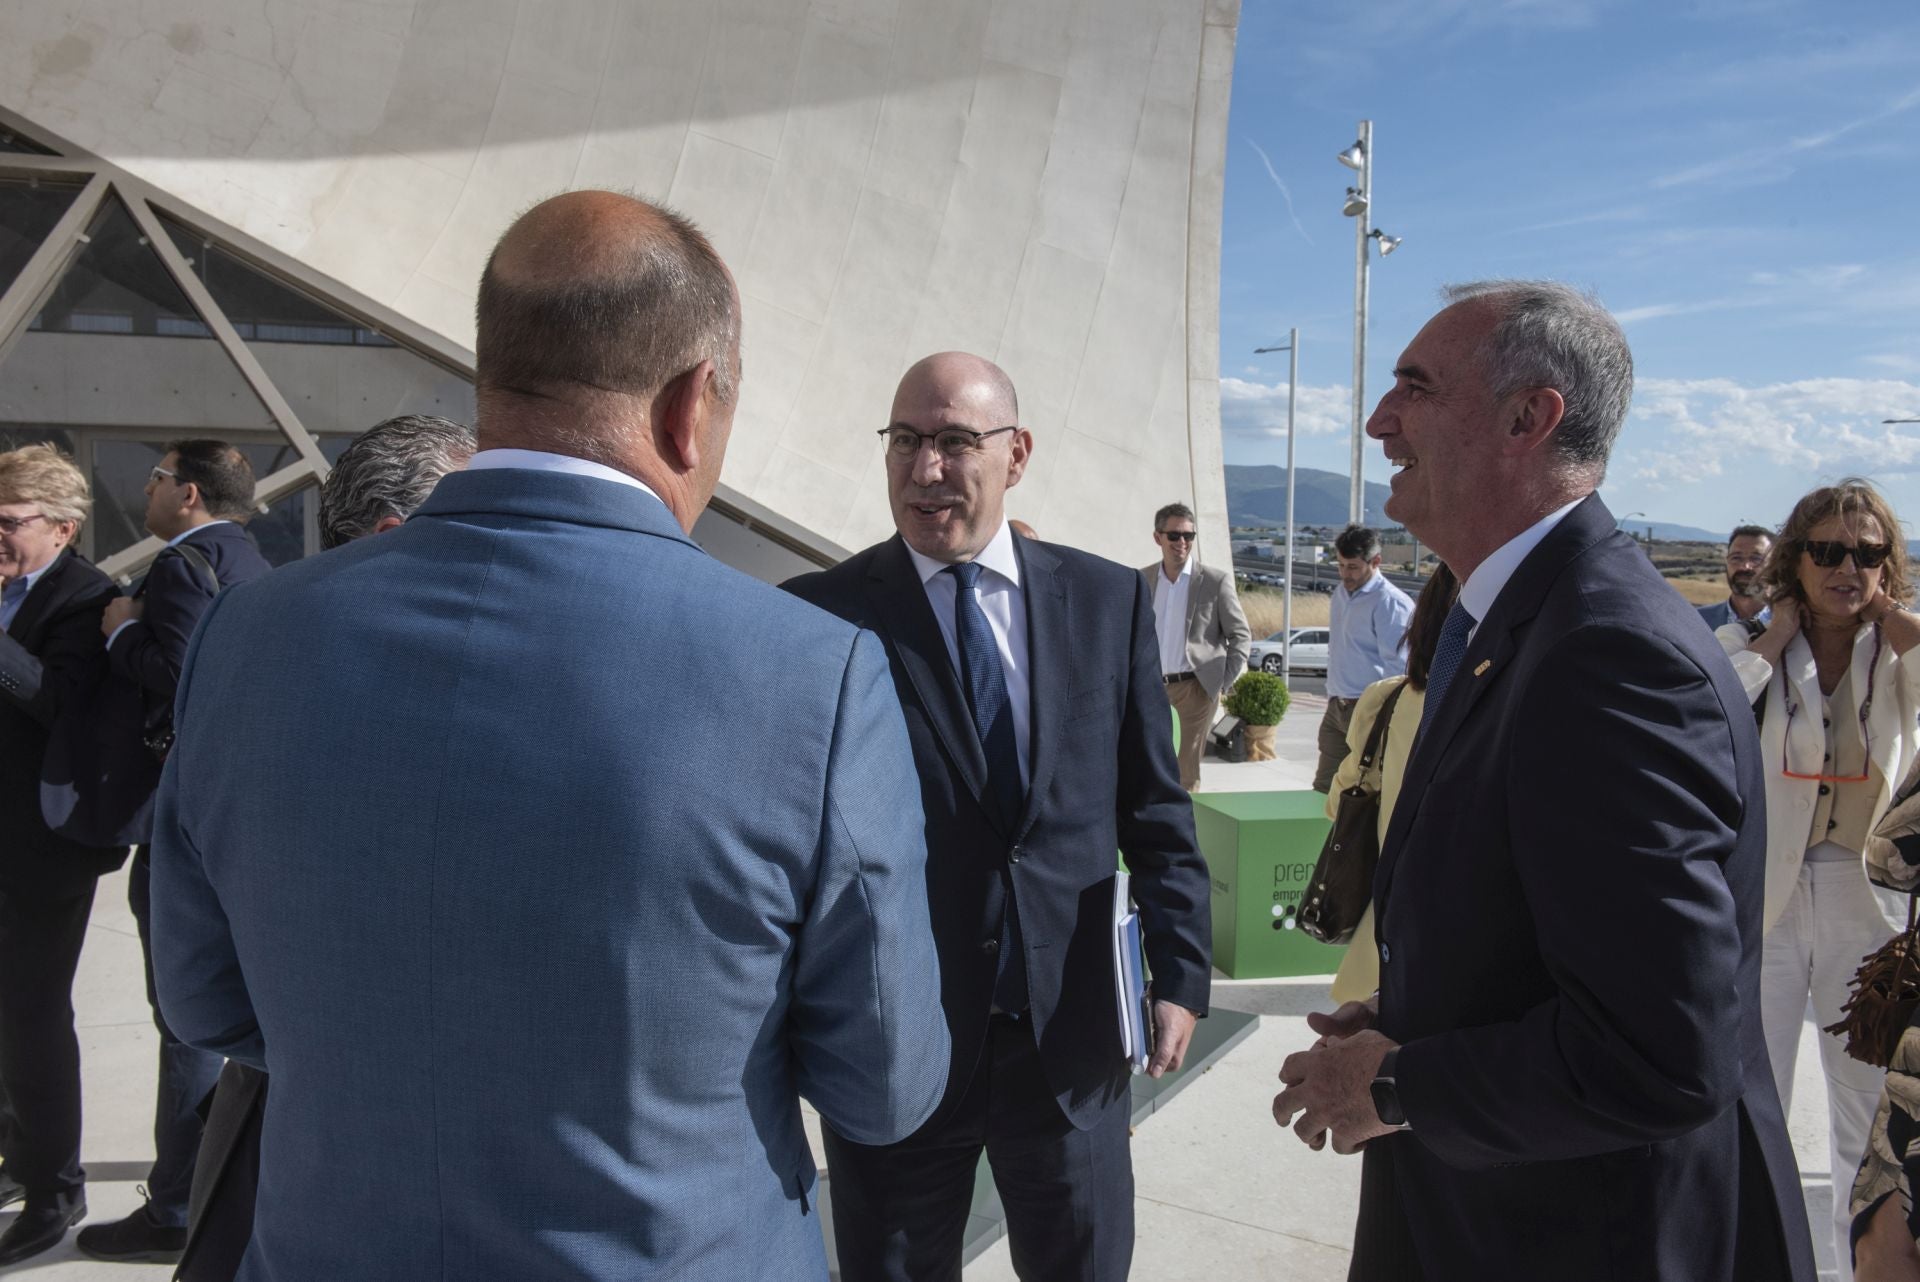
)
(1837, 691)
(51, 600)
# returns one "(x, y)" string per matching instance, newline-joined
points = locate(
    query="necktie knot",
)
(968, 572)
(13, 591)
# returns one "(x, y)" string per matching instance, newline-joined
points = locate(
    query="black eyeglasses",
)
(952, 442)
(1868, 556)
(1180, 536)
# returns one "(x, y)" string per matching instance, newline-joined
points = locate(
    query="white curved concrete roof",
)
(1038, 181)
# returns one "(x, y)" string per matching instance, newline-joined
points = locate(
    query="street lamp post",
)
(1292, 348)
(1359, 207)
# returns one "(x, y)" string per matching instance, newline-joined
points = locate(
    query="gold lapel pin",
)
(1481, 671)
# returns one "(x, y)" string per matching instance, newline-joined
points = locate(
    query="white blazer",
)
(1893, 729)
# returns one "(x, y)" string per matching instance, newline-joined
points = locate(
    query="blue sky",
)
(1738, 180)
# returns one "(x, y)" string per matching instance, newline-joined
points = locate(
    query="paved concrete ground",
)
(1223, 1194)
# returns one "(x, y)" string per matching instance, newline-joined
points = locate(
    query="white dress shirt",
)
(1170, 617)
(542, 461)
(1483, 586)
(10, 604)
(1004, 602)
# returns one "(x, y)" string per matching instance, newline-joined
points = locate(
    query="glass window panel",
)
(28, 212)
(10, 141)
(339, 375)
(120, 471)
(119, 347)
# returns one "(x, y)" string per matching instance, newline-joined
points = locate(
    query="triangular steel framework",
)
(23, 298)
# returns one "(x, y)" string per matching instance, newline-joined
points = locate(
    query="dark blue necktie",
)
(985, 681)
(1446, 660)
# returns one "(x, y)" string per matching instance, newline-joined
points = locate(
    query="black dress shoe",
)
(41, 1225)
(11, 1190)
(136, 1238)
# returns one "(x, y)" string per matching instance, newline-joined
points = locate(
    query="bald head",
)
(593, 291)
(956, 377)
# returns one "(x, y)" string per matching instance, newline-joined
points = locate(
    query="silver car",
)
(1309, 652)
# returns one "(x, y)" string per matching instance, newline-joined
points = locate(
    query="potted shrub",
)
(1259, 699)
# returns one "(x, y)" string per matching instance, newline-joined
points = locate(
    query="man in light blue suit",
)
(540, 895)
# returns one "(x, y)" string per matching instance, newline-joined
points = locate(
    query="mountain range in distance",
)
(1257, 495)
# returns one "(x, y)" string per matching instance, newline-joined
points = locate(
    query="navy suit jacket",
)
(1103, 776)
(100, 775)
(543, 896)
(1568, 907)
(50, 655)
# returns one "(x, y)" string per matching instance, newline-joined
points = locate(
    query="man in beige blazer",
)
(1203, 632)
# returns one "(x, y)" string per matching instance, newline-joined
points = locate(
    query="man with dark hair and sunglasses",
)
(1747, 549)
(199, 499)
(1202, 630)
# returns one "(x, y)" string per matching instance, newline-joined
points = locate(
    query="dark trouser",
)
(1333, 741)
(1383, 1247)
(900, 1211)
(40, 939)
(186, 1075)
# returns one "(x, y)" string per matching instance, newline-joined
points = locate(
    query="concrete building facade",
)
(1038, 181)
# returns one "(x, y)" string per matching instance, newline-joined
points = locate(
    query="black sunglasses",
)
(1179, 536)
(1868, 556)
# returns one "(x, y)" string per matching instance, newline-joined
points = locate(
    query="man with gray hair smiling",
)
(387, 472)
(1563, 1073)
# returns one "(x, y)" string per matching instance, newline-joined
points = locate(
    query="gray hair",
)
(388, 471)
(1552, 335)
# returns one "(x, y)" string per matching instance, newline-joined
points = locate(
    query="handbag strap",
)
(1377, 740)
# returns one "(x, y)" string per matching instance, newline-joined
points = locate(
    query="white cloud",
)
(1284, 193)
(1769, 163)
(1260, 409)
(1823, 426)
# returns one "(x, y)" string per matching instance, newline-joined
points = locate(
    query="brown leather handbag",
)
(1342, 884)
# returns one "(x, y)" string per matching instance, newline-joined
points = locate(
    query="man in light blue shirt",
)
(1369, 622)
(1747, 550)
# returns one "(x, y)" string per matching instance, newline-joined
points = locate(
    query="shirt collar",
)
(1374, 583)
(542, 461)
(1483, 586)
(1186, 571)
(997, 556)
(187, 534)
(30, 579)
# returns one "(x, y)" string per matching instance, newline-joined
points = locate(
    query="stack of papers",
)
(1130, 977)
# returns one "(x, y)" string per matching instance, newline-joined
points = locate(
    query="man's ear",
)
(192, 495)
(680, 417)
(1532, 416)
(388, 522)
(1017, 457)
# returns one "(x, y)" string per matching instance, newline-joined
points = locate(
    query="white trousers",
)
(1831, 923)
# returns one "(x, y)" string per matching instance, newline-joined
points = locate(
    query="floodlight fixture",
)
(1353, 157)
(1387, 243)
(1356, 203)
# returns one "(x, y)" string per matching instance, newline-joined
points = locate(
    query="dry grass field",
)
(1264, 607)
(1310, 609)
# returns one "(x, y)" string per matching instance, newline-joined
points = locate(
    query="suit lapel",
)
(1049, 646)
(898, 596)
(1485, 663)
(39, 598)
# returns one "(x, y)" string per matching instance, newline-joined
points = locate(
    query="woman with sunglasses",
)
(1836, 686)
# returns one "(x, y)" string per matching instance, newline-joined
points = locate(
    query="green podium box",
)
(1261, 848)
